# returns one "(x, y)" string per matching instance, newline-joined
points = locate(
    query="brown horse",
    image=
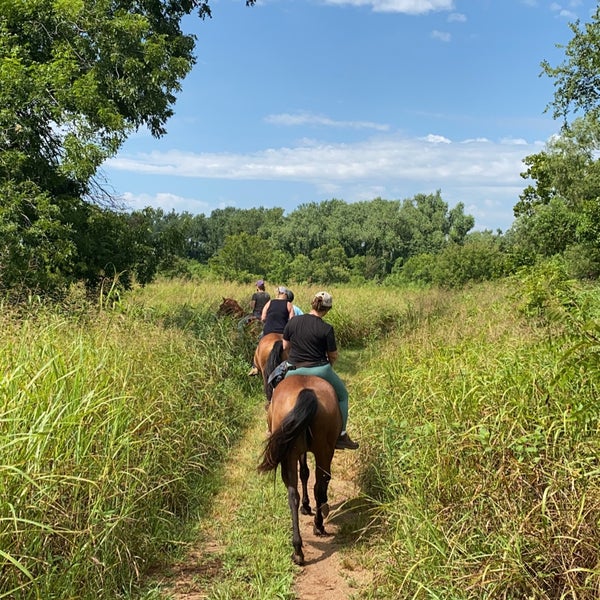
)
(304, 416)
(262, 353)
(230, 308)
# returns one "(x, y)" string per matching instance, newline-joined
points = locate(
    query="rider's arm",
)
(263, 317)
(332, 356)
(286, 345)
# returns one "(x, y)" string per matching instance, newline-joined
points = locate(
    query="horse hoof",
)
(298, 559)
(305, 510)
(325, 510)
(319, 531)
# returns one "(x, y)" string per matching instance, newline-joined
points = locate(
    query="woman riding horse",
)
(305, 414)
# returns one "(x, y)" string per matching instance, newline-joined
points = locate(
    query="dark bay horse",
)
(230, 308)
(304, 416)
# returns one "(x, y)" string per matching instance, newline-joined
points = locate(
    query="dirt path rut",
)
(331, 571)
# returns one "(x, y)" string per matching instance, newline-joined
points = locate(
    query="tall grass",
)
(478, 428)
(483, 457)
(107, 426)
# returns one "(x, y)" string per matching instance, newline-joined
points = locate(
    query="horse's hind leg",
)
(304, 474)
(322, 478)
(289, 474)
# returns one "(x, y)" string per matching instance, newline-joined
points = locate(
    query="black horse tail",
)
(295, 423)
(273, 361)
(274, 357)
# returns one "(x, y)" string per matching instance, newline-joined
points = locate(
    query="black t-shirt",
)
(278, 315)
(260, 299)
(310, 339)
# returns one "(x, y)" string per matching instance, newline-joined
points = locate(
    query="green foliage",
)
(583, 261)
(540, 286)
(577, 78)
(475, 261)
(417, 269)
(482, 453)
(119, 424)
(561, 211)
(329, 265)
(76, 78)
(479, 258)
(35, 246)
(243, 257)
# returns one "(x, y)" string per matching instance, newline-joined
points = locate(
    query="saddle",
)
(279, 372)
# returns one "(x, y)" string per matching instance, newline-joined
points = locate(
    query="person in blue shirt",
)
(290, 296)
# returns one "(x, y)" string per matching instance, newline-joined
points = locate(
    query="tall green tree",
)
(76, 78)
(560, 208)
(243, 257)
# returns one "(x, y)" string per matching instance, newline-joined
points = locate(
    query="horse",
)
(264, 353)
(230, 308)
(303, 416)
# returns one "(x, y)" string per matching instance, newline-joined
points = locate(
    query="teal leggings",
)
(326, 372)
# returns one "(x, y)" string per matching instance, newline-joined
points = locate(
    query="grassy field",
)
(483, 452)
(477, 412)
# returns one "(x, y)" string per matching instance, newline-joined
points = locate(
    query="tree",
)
(561, 207)
(243, 257)
(76, 78)
(577, 79)
(34, 245)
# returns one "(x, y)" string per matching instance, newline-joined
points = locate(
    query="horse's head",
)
(230, 308)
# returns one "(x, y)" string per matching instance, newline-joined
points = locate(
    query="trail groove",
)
(331, 571)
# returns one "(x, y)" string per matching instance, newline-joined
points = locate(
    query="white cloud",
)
(166, 201)
(443, 36)
(514, 141)
(564, 12)
(409, 7)
(437, 139)
(483, 174)
(457, 18)
(376, 161)
(303, 118)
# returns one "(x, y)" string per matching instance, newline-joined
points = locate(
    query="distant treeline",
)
(414, 241)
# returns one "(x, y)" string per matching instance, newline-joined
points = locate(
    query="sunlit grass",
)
(479, 445)
(482, 461)
(106, 430)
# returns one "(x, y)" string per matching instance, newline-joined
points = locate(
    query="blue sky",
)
(297, 101)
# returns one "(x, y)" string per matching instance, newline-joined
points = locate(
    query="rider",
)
(259, 299)
(277, 312)
(257, 303)
(313, 350)
(290, 296)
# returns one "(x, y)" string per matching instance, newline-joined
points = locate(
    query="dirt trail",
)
(330, 572)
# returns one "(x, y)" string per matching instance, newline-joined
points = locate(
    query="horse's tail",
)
(273, 361)
(274, 357)
(295, 423)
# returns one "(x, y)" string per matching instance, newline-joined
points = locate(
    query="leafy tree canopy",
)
(577, 78)
(77, 77)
